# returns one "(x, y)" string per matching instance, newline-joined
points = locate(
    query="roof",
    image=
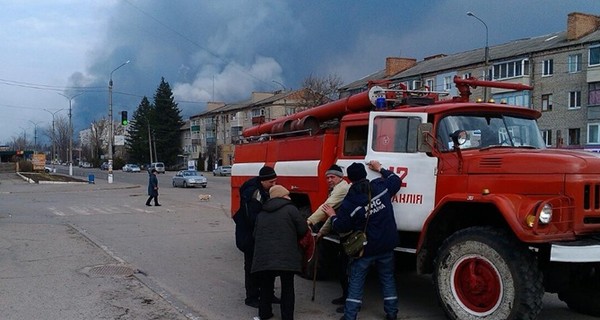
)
(279, 95)
(503, 52)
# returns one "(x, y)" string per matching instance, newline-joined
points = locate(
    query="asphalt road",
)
(184, 252)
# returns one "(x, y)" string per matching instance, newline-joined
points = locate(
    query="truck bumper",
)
(587, 250)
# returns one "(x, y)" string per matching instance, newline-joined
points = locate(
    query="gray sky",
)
(223, 50)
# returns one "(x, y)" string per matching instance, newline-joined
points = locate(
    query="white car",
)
(131, 168)
(189, 178)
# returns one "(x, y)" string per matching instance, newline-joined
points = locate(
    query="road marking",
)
(56, 211)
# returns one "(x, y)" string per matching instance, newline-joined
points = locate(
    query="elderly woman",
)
(276, 253)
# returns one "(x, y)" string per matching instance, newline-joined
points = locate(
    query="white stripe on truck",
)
(307, 168)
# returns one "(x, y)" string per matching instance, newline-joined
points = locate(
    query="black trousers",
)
(250, 279)
(267, 283)
(150, 199)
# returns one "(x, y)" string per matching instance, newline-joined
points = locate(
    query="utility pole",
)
(70, 131)
(150, 143)
(53, 136)
(35, 125)
(487, 54)
(110, 122)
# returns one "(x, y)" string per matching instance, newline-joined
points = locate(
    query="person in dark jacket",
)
(276, 253)
(152, 188)
(382, 234)
(253, 194)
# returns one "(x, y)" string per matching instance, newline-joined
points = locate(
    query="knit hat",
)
(278, 191)
(335, 170)
(356, 171)
(266, 173)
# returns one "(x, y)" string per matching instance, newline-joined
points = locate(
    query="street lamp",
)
(53, 137)
(70, 98)
(35, 125)
(487, 51)
(110, 121)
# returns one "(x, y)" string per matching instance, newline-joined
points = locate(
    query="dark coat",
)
(278, 227)
(252, 197)
(152, 185)
(382, 233)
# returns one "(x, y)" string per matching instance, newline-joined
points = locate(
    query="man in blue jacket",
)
(382, 234)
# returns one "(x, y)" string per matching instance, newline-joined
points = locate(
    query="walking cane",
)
(315, 269)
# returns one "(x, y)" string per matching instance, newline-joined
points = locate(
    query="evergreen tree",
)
(166, 123)
(137, 141)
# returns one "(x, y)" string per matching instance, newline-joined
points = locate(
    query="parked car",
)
(159, 166)
(130, 167)
(189, 178)
(104, 166)
(84, 164)
(222, 171)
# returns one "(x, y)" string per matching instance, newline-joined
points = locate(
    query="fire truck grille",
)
(490, 163)
(591, 197)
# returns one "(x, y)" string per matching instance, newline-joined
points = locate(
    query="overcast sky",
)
(223, 50)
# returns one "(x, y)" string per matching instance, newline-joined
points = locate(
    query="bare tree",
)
(61, 125)
(320, 90)
(98, 138)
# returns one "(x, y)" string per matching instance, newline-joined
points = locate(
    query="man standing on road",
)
(372, 200)
(152, 188)
(253, 194)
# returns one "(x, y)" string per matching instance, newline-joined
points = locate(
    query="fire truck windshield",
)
(484, 131)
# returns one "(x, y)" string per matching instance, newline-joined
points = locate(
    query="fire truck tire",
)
(582, 295)
(485, 273)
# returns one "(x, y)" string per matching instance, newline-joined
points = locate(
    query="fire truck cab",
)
(494, 215)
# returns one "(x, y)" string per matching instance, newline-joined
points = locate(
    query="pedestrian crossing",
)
(96, 210)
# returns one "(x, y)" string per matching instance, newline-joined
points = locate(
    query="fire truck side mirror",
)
(459, 137)
(425, 137)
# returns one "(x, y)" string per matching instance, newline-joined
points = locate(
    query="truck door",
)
(392, 140)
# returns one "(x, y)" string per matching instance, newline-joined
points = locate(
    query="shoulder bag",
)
(354, 243)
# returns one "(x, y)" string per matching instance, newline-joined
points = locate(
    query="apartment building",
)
(562, 67)
(215, 132)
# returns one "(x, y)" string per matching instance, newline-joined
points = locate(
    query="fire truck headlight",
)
(546, 214)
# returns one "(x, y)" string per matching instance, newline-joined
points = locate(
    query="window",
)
(546, 102)
(258, 112)
(593, 133)
(510, 69)
(447, 83)
(574, 137)
(514, 98)
(489, 130)
(355, 141)
(574, 62)
(467, 75)
(574, 99)
(430, 84)
(594, 94)
(548, 67)
(547, 136)
(415, 85)
(393, 134)
(594, 56)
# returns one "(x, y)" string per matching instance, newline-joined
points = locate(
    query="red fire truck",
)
(496, 217)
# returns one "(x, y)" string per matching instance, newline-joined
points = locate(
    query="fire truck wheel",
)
(485, 273)
(582, 295)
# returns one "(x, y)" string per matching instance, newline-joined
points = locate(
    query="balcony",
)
(258, 120)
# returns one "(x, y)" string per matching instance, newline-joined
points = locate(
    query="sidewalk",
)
(11, 182)
(50, 270)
